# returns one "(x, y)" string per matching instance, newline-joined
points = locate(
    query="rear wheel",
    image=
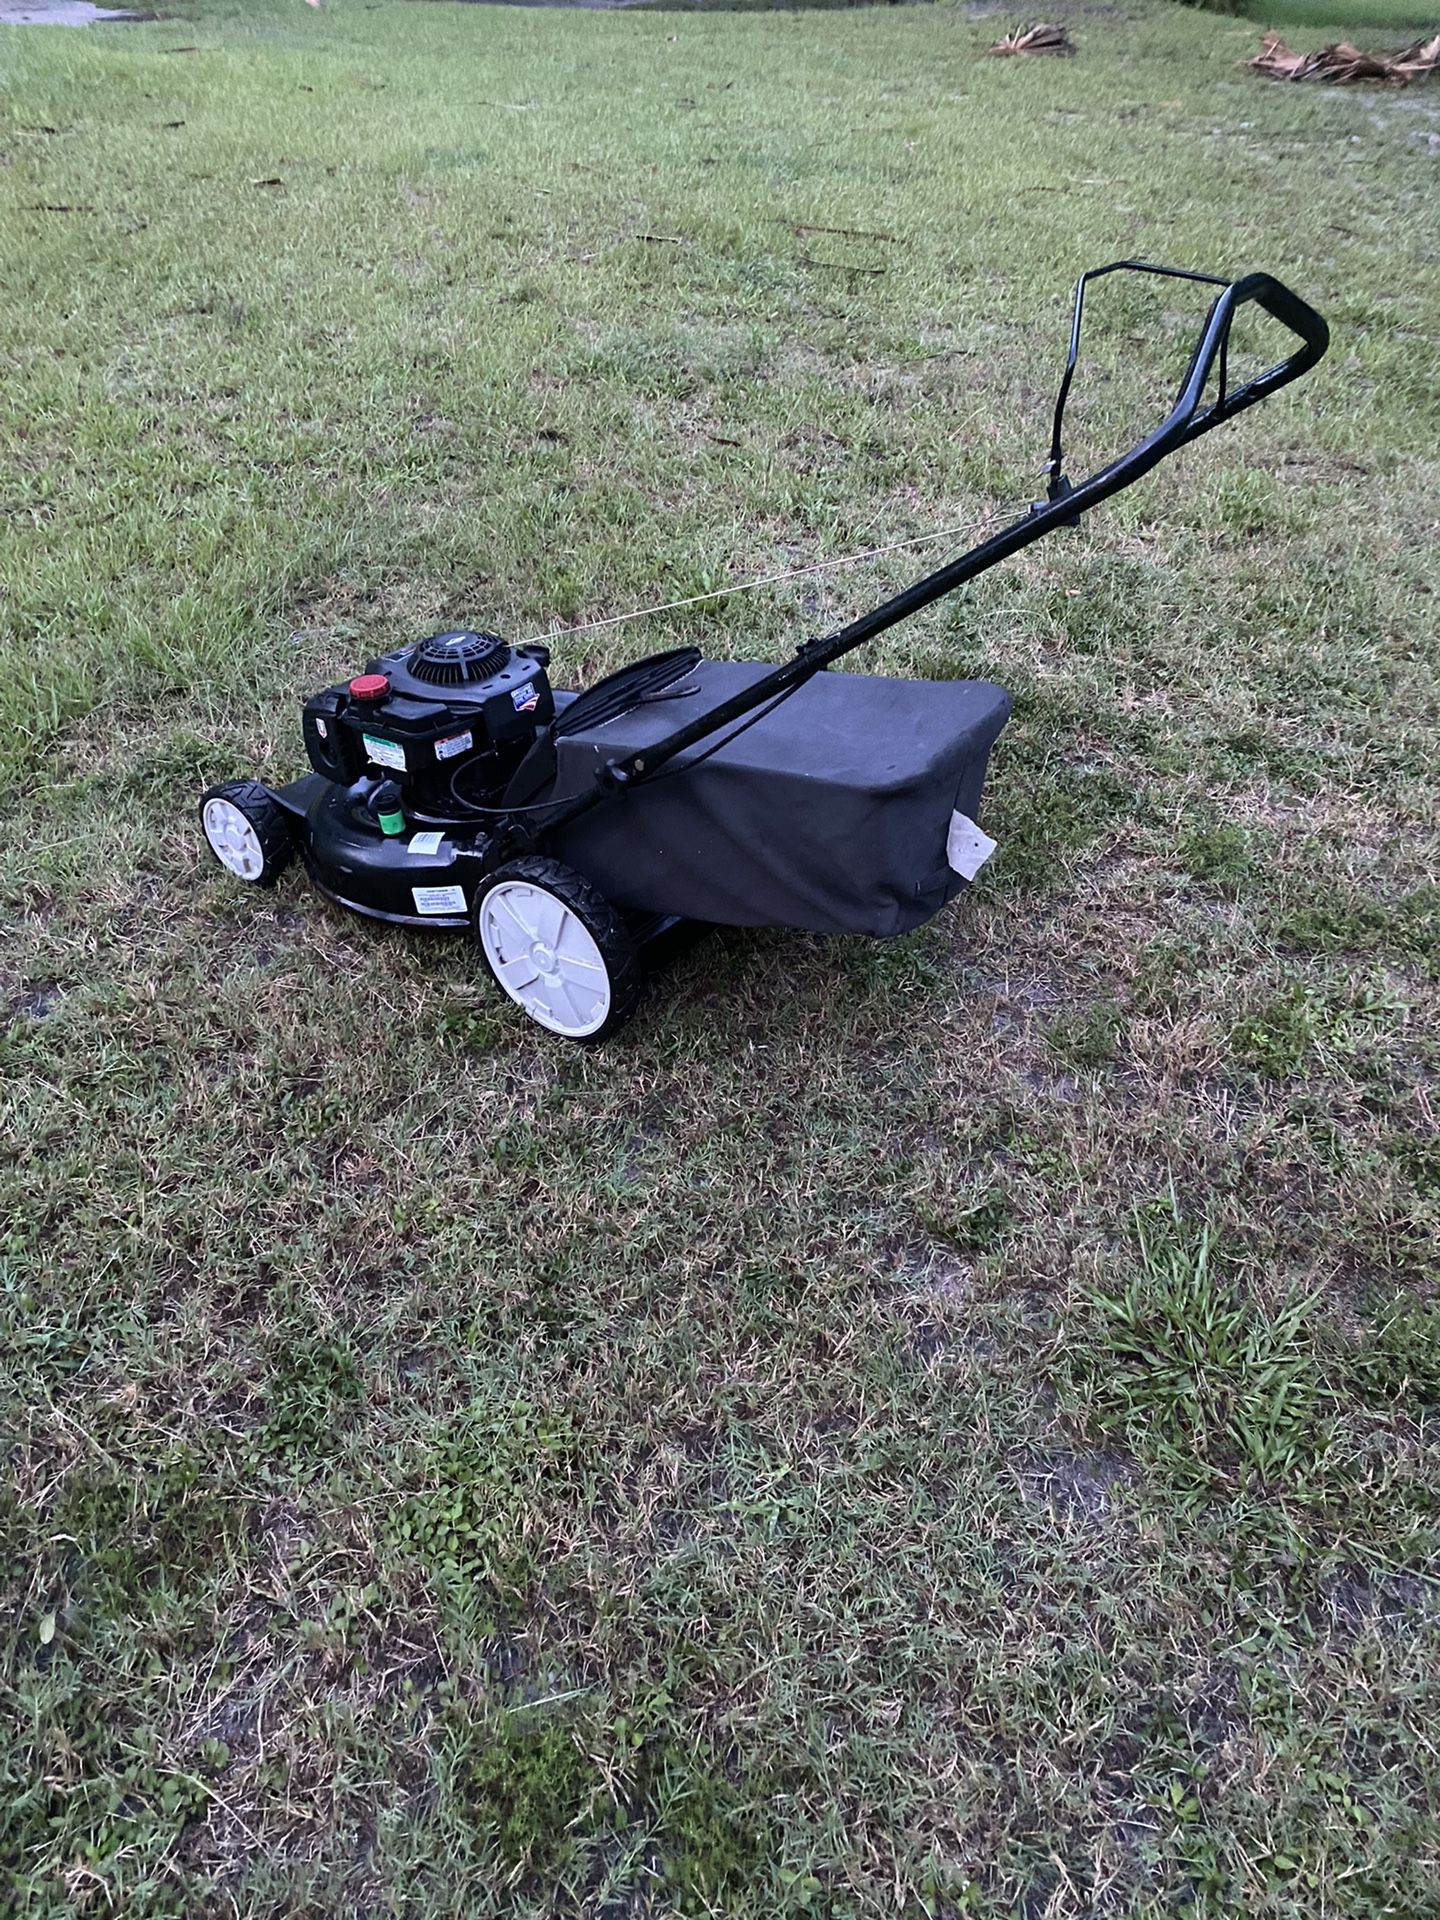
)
(247, 830)
(558, 948)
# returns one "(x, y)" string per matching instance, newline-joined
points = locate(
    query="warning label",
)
(438, 899)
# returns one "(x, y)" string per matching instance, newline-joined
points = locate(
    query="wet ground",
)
(64, 13)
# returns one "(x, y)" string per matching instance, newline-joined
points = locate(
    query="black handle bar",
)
(1187, 420)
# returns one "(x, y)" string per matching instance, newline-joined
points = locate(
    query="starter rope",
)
(769, 580)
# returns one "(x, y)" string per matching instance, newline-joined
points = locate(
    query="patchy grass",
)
(945, 1427)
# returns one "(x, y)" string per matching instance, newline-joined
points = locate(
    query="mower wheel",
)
(247, 830)
(558, 948)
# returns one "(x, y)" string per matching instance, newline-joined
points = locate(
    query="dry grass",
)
(751, 1470)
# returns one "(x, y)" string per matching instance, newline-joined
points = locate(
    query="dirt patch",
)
(1074, 1486)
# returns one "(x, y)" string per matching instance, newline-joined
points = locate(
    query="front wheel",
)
(247, 830)
(558, 948)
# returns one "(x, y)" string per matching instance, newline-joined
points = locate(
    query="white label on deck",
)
(438, 899)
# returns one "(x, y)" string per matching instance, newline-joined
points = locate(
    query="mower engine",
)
(413, 760)
(449, 721)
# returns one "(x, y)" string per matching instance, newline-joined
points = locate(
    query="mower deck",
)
(420, 879)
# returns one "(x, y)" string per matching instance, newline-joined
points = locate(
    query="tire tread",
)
(266, 816)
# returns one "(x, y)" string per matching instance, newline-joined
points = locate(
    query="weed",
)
(974, 1221)
(163, 1532)
(468, 1523)
(1200, 1380)
(1163, 972)
(532, 1786)
(1400, 1360)
(556, 1796)
(1302, 1027)
(314, 1385)
(1222, 856)
(1088, 1038)
(1418, 1157)
(1348, 922)
(1046, 815)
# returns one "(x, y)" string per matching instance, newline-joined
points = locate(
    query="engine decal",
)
(384, 753)
(526, 698)
(454, 743)
(438, 899)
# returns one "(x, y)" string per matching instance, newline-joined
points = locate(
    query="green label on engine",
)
(384, 753)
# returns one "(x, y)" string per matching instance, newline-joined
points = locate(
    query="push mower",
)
(454, 787)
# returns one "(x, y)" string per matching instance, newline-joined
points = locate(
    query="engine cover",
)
(449, 720)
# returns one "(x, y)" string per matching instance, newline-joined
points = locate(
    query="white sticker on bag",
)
(425, 844)
(384, 753)
(966, 847)
(438, 899)
(454, 743)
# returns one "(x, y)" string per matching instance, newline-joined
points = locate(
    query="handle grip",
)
(1187, 420)
(1276, 299)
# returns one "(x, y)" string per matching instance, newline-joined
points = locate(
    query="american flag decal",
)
(526, 698)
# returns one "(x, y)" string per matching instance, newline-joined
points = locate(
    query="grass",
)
(1199, 1378)
(1367, 23)
(940, 1428)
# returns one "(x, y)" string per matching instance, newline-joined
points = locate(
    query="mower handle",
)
(1186, 420)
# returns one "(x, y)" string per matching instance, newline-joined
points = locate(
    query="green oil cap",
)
(389, 812)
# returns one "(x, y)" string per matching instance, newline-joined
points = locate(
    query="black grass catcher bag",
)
(849, 809)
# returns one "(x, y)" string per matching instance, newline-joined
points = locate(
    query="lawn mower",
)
(453, 786)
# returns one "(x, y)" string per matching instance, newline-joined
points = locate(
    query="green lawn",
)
(1368, 23)
(945, 1427)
